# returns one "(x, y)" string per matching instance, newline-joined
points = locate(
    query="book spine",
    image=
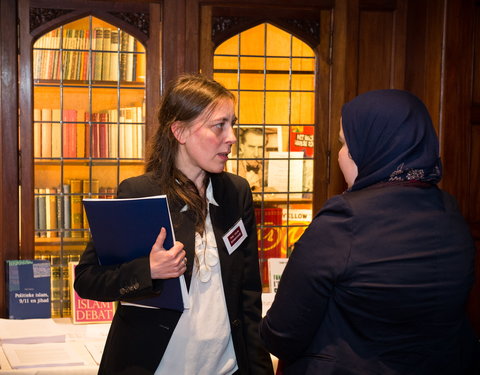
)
(46, 133)
(80, 134)
(66, 211)
(76, 207)
(56, 134)
(42, 214)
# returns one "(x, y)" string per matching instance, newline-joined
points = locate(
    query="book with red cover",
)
(269, 237)
(126, 229)
(85, 311)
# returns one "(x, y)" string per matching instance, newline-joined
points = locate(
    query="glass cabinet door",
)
(272, 74)
(88, 131)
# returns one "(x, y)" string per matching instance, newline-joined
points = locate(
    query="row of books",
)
(59, 211)
(75, 133)
(110, 55)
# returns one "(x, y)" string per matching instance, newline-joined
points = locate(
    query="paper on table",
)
(42, 355)
(30, 331)
(95, 348)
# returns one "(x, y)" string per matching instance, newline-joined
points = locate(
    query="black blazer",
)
(377, 285)
(139, 336)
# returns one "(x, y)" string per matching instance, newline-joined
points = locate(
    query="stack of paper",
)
(42, 355)
(30, 331)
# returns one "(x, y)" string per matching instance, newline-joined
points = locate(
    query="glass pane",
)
(252, 81)
(279, 42)
(251, 106)
(275, 64)
(303, 107)
(303, 82)
(299, 48)
(256, 64)
(252, 41)
(306, 64)
(278, 81)
(229, 80)
(229, 47)
(225, 62)
(278, 107)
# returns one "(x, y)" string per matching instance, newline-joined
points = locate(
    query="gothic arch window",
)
(272, 74)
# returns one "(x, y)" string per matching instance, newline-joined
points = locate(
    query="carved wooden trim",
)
(224, 27)
(139, 20)
(39, 16)
(308, 27)
(222, 24)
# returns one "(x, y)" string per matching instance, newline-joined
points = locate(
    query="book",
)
(269, 222)
(30, 331)
(56, 133)
(126, 229)
(275, 270)
(90, 188)
(51, 212)
(42, 213)
(69, 133)
(66, 211)
(46, 133)
(76, 211)
(28, 286)
(292, 181)
(86, 311)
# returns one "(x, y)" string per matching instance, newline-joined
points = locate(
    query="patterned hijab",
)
(390, 137)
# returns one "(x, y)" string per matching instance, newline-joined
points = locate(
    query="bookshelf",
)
(89, 130)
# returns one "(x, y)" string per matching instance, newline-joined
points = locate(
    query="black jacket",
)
(377, 285)
(139, 336)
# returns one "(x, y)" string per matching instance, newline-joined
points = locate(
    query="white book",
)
(42, 355)
(281, 180)
(30, 331)
(275, 270)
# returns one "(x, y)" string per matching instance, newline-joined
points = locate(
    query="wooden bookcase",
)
(88, 122)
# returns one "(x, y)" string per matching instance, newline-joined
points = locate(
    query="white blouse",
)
(202, 342)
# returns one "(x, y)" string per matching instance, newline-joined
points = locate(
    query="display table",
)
(76, 336)
(87, 341)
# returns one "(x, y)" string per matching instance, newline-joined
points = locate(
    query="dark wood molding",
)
(135, 21)
(9, 160)
(303, 23)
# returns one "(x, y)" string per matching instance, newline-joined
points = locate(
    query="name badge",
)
(235, 236)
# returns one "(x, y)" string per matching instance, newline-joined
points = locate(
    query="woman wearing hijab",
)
(378, 282)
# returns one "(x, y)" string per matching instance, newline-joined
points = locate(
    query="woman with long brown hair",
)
(218, 333)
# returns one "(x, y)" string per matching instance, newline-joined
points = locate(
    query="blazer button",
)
(236, 323)
(122, 291)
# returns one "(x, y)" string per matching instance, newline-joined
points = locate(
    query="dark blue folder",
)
(126, 229)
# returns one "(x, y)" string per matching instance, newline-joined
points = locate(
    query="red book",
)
(301, 139)
(85, 311)
(69, 133)
(102, 135)
(269, 237)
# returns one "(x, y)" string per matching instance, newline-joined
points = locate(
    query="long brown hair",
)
(185, 99)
